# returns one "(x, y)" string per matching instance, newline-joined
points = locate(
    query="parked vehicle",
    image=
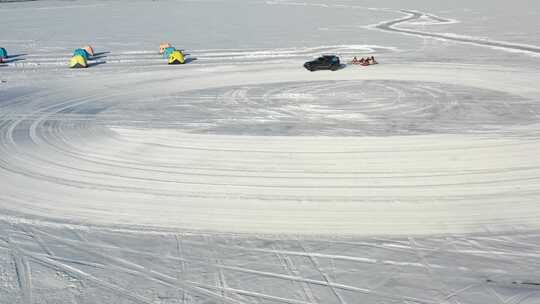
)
(325, 62)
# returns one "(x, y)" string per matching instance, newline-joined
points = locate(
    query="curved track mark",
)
(390, 26)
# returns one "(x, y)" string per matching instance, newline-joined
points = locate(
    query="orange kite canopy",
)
(163, 46)
(89, 50)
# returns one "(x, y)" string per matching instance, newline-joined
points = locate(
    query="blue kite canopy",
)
(3, 53)
(82, 53)
(167, 52)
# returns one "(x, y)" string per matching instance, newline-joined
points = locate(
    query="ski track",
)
(287, 253)
(133, 268)
(316, 265)
(287, 263)
(22, 268)
(110, 258)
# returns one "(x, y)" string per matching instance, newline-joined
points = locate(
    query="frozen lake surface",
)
(241, 177)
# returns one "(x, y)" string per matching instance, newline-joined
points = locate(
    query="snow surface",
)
(240, 177)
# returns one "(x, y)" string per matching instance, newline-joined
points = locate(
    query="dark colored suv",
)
(325, 62)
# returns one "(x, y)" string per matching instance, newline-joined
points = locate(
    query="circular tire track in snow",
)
(331, 108)
(124, 158)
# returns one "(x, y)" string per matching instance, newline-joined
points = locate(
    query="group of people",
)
(364, 61)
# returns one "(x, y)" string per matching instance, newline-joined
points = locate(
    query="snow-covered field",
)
(241, 177)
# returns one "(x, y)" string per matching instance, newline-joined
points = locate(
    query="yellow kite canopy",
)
(78, 61)
(163, 46)
(89, 50)
(176, 57)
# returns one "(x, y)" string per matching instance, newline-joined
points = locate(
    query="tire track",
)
(391, 26)
(52, 139)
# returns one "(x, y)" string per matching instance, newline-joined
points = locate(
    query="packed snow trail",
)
(391, 26)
